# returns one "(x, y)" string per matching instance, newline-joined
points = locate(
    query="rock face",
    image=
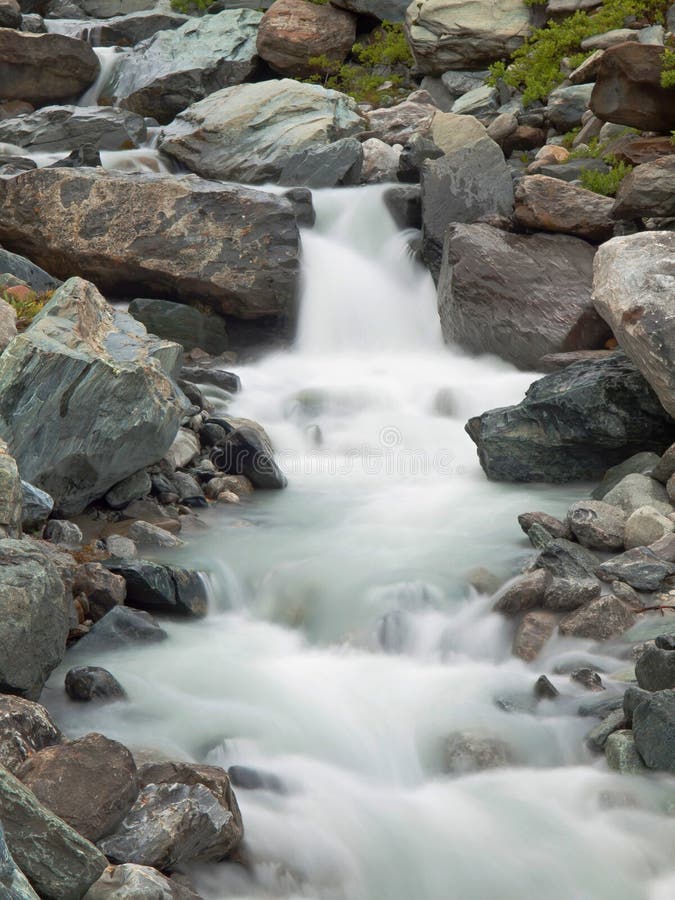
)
(13, 882)
(456, 34)
(633, 291)
(43, 68)
(628, 88)
(34, 618)
(25, 728)
(69, 127)
(174, 68)
(225, 246)
(90, 783)
(58, 862)
(572, 425)
(86, 378)
(519, 296)
(294, 31)
(649, 190)
(550, 204)
(250, 131)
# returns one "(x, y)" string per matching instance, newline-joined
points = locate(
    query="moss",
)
(27, 304)
(605, 183)
(187, 6)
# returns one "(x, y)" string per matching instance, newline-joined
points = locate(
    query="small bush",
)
(27, 304)
(668, 69)
(187, 6)
(605, 183)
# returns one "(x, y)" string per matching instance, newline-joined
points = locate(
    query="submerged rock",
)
(121, 627)
(184, 324)
(86, 683)
(622, 755)
(468, 751)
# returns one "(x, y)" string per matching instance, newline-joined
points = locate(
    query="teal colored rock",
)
(182, 323)
(621, 754)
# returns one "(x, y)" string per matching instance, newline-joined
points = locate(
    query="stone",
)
(129, 30)
(641, 568)
(572, 170)
(654, 731)
(566, 105)
(8, 330)
(237, 484)
(628, 88)
(57, 128)
(403, 122)
(567, 594)
(534, 631)
(384, 10)
(75, 374)
(66, 534)
(481, 102)
(555, 362)
(183, 450)
(87, 683)
(157, 588)
(10, 14)
(549, 204)
(144, 534)
(178, 67)
(525, 137)
(655, 669)
(609, 39)
(518, 296)
(553, 526)
(637, 150)
(34, 618)
(665, 467)
(37, 279)
(249, 132)
(25, 728)
(638, 464)
(544, 689)
(468, 751)
(634, 491)
(11, 495)
(572, 425)
(246, 453)
(665, 641)
(380, 161)
(254, 780)
(226, 247)
(44, 68)
(597, 525)
(451, 34)
(213, 375)
(405, 206)
(90, 783)
(601, 619)
(645, 526)
(36, 506)
(587, 70)
(588, 678)
(597, 737)
(131, 882)
(631, 698)
(103, 589)
(502, 127)
(131, 488)
(649, 190)
(539, 537)
(13, 882)
(181, 323)
(525, 592)
(621, 753)
(294, 32)
(59, 863)
(121, 627)
(564, 559)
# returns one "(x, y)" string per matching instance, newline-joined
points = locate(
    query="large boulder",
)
(649, 190)
(13, 882)
(44, 68)
(181, 323)
(551, 204)
(628, 88)
(249, 132)
(220, 245)
(654, 730)
(519, 296)
(69, 127)
(293, 32)
(127, 31)
(384, 10)
(174, 68)
(11, 495)
(25, 728)
(157, 588)
(105, 9)
(572, 425)
(130, 882)
(464, 34)
(34, 618)
(633, 291)
(58, 862)
(82, 379)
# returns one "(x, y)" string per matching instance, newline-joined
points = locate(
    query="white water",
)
(385, 512)
(109, 58)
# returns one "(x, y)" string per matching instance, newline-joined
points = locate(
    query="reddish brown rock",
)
(525, 137)
(533, 632)
(628, 88)
(102, 588)
(550, 204)
(293, 32)
(638, 150)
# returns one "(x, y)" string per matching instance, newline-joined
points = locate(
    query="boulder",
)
(649, 190)
(628, 88)
(247, 453)
(25, 728)
(35, 277)
(601, 619)
(105, 9)
(122, 627)
(294, 32)
(565, 559)
(36, 506)
(637, 150)
(86, 683)
(44, 68)
(144, 534)
(641, 568)
(66, 534)
(174, 68)
(181, 323)
(482, 102)
(472, 751)
(34, 617)
(655, 669)
(227, 247)
(535, 630)
(597, 525)
(85, 378)
(456, 34)
(665, 467)
(518, 296)
(621, 753)
(102, 588)
(130, 882)
(654, 731)
(157, 588)
(90, 783)
(69, 127)
(566, 105)
(404, 121)
(525, 592)
(550, 524)
(127, 31)
(14, 884)
(635, 490)
(133, 487)
(549, 204)
(11, 495)
(384, 10)
(325, 166)
(59, 863)
(567, 594)
(249, 132)
(572, 424)
(644, 526)
(638, 464)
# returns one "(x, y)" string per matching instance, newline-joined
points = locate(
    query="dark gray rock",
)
(567, 594)
(131, 488)
(35, 277)
(319, 167)
(84, 157)
(25, 728)
(13, 883)
(655, 669)
(649, 190)
(572, 424)
(249, 779)
(597, 737)
(58, 862)
(36, 505)
(158, 588)
(181, 323)
(245, 453)
(567, 560)
(525, 592)
(665, 467)
(55, 128)
(64, 533)
(641, 568)
(632, 697)
(385, 10)
(665, 641)
(86, 683)
(601, 619)
(127, 31)
(600, 707)
(404, 205)
(597, 525)
(571, 170)
(544, 689)
(301, 200)
(588, 678)
(205, 374)
(121, 627)
(566, 105)
(654, 731)
(415, 152)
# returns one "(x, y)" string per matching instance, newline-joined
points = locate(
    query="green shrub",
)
(605, 183)
(387, 46)
(668, 69)
(187, 6)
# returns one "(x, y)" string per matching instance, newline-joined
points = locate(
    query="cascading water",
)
(343, 645)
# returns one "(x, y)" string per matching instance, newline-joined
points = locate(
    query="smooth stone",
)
(635, 491)
(645, 526)
(157, 588)
(567, 594)
(622, 755)
(87, 683)
(597, 737)
(525, 592)
(597, 525)
(121, 627)
(638, 464)
(131, 488)
(535, 630)
(601, 619)
(103, 589)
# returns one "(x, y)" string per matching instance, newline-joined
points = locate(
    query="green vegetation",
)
(668, 70)
(25, 302)
(187, 6)
(536, 65)
(605, 183)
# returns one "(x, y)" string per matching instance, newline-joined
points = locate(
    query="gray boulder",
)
(648, 191)
(602, 619)
(641, 568)
(384, 10)
(87, 683)
(654, 731)
(86, 378)
(131, 882)
(567, 594)
(25, 728)
(572, 424)
(135, 486)
(633, 289)
(69, 127)
(635, 490)
(35, 277)
(246, 452)
(655, 669)
(249, 132)
(525, 592)
(597, 525)
(566, 105)
(36, 506)
(157, 588)
(565, 559)
(34, 618)
(174, 68)
(59, 863)
(14, 884)
(518, 296)
(11, 495)
(338, 163)
(122, 627)
(181, 323)
(640, 463)
(104, 9)
(645, 526)
(127, 31)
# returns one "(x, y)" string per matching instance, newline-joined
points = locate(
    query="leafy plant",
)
(387, 46)
(668, 69)
(186, 6)
(26, 303)
(605, 183)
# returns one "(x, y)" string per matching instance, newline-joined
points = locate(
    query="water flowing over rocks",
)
(249, 132)
(228, 247)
